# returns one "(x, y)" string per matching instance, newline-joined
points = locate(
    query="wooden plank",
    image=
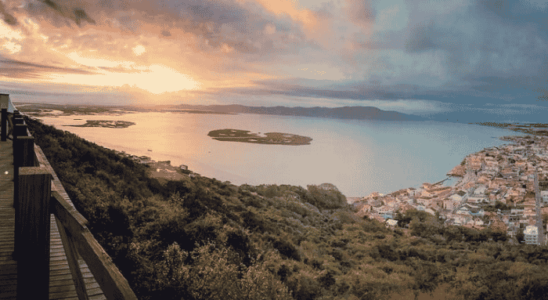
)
(70, 287)
(7, 277)
(69, 281)
(86, 275)
(8, 267)
(63, 272)
(72, 258)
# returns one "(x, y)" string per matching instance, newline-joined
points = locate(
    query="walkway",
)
(61, 284)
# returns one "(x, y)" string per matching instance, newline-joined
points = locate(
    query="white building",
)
(449, 205)
(480, 190)
(392, 222)
(531, 235)
(544, 195)
(478, 200)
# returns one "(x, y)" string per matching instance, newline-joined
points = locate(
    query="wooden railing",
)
(36, 197)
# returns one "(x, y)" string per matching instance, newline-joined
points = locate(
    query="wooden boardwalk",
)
(61, 284)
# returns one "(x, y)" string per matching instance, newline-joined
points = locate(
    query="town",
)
(503, 187)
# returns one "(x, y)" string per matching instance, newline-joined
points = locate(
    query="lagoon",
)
(358, 156)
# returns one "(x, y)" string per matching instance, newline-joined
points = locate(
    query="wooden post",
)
(4, 125)
(17, 120)
(19, 130)
(34, 241)
(24, 147)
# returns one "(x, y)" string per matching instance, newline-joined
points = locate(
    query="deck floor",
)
(61, 284)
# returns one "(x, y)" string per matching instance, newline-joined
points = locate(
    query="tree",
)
(520, 236)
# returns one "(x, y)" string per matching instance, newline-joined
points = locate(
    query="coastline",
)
(358, 157)
(499, 189)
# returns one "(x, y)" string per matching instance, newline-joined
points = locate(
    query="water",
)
(358, 156)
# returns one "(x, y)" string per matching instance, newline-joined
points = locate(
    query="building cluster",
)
(146, 160)
(496, 188)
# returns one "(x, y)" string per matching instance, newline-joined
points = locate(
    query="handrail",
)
(112, 282)
(38, 192)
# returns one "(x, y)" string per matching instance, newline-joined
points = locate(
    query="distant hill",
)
(346, 112)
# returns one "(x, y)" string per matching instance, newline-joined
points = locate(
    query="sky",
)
(483, 60)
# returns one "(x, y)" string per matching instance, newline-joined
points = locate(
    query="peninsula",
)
(269, 138)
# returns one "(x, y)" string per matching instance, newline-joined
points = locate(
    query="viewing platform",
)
(46, 250)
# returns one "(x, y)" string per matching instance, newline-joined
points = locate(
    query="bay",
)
(357, 156)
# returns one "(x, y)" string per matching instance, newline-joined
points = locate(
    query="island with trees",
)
(269, 138)
(105, 124)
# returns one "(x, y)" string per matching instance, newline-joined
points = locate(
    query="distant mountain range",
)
(347, 112)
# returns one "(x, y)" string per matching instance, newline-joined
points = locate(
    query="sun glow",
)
(156, 79)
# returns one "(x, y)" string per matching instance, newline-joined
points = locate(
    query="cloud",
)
(537, 4)
(355, 50)
(10, 68)
(234, 23)
(7, 17)
(360, 12)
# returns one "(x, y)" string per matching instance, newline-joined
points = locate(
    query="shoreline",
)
(496, 180)
(389, 178)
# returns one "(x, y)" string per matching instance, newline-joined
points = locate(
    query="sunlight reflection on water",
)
(359, 157)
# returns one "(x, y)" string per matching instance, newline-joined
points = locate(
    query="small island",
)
(269, 138)
(105, 124)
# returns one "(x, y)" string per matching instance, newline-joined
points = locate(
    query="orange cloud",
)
(308, 18)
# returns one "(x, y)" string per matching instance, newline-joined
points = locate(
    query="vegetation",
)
(206, 239)
(270, 138)
(105, 124)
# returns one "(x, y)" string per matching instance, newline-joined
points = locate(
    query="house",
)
(509, 173)
(385, 212)
(529, 213)
(473, 163)
(424, 200)
(392, 223)
(448, 204)
(430, 211)
(364, 210)
(406, 199)
(544, 195)
(480, 190)
(517, 211)
(426, 193)
(426, 186)
(460, 196)
(477, 199)
(531, 235)
(463, 211)
(519, 150)
(411, 192)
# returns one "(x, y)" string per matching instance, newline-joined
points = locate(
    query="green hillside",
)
(201, 238)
